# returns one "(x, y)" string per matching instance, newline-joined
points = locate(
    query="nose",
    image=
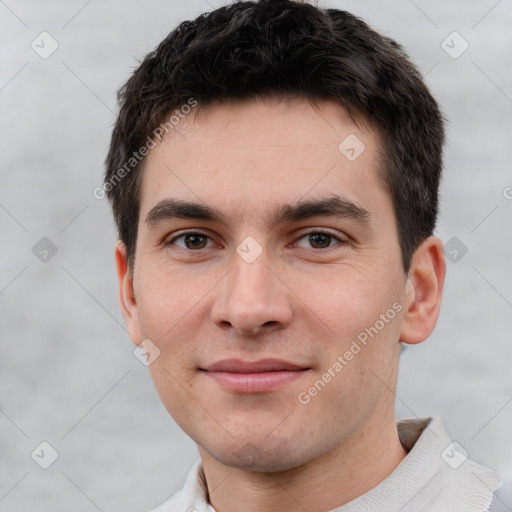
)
(252, 299)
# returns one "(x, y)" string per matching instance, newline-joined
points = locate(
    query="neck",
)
(325, 483)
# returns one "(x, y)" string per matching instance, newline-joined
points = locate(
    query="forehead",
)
(242, 156)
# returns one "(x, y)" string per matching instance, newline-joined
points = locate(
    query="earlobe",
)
(127, 298)
(424, 291)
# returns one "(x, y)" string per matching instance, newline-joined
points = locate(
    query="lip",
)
(254, 377)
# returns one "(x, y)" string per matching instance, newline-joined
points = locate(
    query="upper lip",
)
(263, 365)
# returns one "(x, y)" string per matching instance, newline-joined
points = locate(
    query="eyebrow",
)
(334, 206)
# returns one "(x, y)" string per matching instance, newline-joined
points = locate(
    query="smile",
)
(254, 377)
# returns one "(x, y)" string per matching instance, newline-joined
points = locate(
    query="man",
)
(274, 175)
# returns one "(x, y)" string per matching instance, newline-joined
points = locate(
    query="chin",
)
(253, 456)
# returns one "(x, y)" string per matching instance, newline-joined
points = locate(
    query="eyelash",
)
(316, 231)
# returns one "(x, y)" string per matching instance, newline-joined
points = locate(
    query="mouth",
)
(254, 377)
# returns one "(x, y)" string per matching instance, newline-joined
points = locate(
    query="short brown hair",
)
(286, 47)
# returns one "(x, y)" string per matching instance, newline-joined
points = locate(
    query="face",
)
(275, 301)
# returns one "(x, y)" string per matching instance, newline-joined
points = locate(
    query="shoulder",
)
(191, 496)
(173, 504)
(502, 498)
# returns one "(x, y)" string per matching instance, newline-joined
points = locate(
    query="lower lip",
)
(254, 382)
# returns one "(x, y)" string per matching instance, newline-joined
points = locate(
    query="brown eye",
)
(190, 241)
(195, 240)
(320, 240)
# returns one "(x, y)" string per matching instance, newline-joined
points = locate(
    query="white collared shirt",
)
(435, 476)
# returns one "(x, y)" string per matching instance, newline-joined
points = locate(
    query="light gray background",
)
(67, 371)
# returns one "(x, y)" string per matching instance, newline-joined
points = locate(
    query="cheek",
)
(172, 309)
(345, 299)
(170, 300)
(174, 390)
(360, 314)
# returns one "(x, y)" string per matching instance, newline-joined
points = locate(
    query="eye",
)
(320, 239)
(191, 241)
(316, 239)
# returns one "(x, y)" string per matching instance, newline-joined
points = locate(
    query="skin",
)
(301, 300)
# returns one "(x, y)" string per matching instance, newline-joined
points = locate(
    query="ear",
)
(126, 294)
(424, 290)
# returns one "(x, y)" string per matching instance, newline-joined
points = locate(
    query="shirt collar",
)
(435, 476)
